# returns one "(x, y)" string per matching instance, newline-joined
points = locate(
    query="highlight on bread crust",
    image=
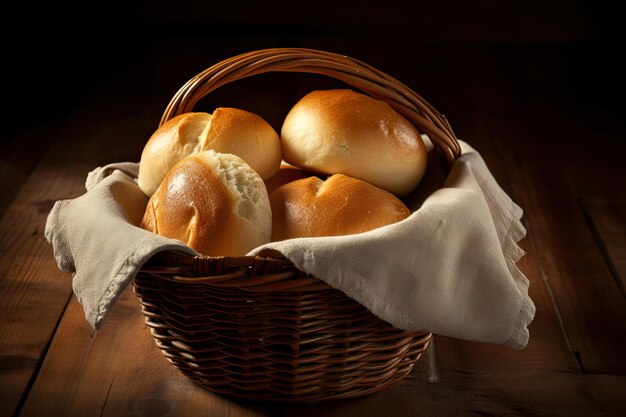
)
(341, 205)
(345, 132)
(215, 203)
(227, 130)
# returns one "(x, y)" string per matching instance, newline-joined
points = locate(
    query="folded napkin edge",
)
(521, 335)
(64, 263)
(124, 275)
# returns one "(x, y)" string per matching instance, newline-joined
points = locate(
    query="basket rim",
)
(352, 71)
(278, 273)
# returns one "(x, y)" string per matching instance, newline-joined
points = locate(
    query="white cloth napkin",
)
(449, 268)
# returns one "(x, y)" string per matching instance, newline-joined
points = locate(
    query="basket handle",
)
(349, 70)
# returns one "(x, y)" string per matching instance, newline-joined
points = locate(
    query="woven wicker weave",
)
(257, 327)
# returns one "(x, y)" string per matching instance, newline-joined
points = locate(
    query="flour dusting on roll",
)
(227, 130)
(215, 203)
(345, 132)
(341, 205)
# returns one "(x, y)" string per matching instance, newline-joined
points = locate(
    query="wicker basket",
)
(257, 327)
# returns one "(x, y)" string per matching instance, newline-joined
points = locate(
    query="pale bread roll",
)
(345, 132)
(341, 205)
(215, 203)
(227, 130)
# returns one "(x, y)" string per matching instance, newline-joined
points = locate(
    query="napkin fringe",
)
(513, 253)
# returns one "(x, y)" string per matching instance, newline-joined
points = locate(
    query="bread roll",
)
(213, 202)
(286, 173)
(345, 132)
(227, 130)
(341, 205)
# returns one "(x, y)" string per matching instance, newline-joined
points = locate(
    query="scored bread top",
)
(227, 130)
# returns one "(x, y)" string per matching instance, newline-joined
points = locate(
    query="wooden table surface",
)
(551, 131)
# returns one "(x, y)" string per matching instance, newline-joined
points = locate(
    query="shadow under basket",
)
(257, 327)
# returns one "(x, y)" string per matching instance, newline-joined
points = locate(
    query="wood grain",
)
(542, 174)
(459, 394)
(607, 220)
(583, 286)
(118, 371)
(34, 291)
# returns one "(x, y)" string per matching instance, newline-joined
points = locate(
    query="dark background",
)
(56, 53)
(558, 56)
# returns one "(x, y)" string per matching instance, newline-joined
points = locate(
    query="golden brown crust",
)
(228, 130)
(246, 135)
(341, 205)
(342, 131)
(170, 143)
(215, 203)
(202, 223)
